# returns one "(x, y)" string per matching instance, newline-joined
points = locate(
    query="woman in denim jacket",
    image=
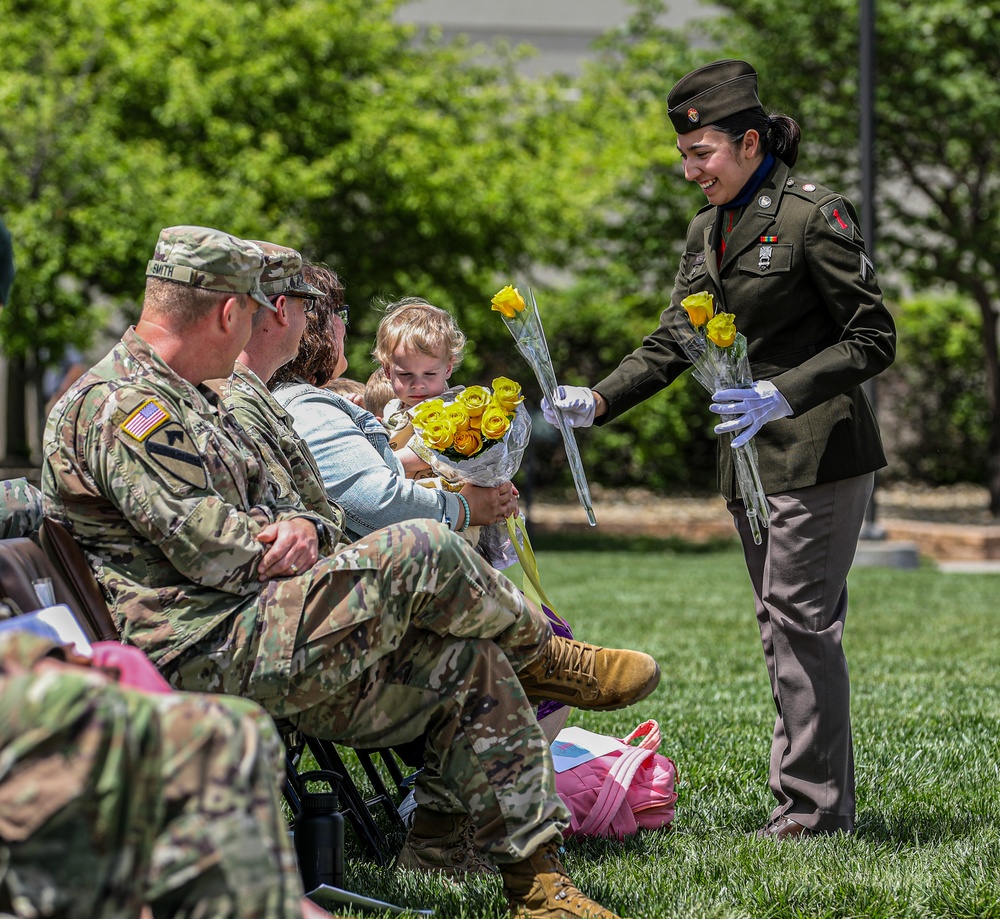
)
(360, 471)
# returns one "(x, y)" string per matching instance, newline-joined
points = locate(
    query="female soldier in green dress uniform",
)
(784, 255)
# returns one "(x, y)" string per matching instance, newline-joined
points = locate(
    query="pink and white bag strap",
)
(649, 731)
(616, 786)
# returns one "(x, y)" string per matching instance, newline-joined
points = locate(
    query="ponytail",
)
(779, 134)
(783, 136)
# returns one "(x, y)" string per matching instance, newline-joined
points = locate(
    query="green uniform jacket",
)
(804, 293)
(166, 494)
(288, 457)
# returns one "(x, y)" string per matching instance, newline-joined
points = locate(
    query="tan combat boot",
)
(540, 888)
(586, 676)
(443, 843)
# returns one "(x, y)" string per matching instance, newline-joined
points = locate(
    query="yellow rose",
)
(494, 422)
(467, 442)
(507, 393)
(721, 329)
(428, 411)
(475, 399)
(508, 301)
(457, 415)
(438, 435)
(700, 307)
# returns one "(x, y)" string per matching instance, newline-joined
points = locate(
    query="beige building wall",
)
(563, 31)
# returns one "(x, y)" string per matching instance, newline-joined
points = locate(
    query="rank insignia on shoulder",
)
(867, 268)
(145, 419)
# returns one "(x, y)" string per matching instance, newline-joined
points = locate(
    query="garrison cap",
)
(283, 272)
(713, 92)
(211, 259)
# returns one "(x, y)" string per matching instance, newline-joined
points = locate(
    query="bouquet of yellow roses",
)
(718, 354)
(476, 435)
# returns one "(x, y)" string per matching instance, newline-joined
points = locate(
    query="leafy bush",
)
(932, 401)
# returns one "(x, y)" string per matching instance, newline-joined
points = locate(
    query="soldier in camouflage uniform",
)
(215, 575)
(111, 798)
(21, 514)
(274, 341)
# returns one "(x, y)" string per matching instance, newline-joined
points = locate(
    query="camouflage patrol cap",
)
(711, 93)
(283, 272)
(210, 259)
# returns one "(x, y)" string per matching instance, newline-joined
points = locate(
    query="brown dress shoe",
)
(784, 828)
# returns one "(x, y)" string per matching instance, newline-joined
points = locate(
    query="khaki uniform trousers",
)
(799, 578)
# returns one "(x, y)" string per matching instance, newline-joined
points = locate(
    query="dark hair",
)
(318, 351)
(779, 134)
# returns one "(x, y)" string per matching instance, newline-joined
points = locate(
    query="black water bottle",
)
(319, 833)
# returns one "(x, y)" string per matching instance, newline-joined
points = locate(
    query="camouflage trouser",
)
(408, 632)
(110, 798)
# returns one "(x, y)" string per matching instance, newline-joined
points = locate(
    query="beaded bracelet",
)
(468, 513)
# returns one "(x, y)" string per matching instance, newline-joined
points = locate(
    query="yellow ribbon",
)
(525, 555)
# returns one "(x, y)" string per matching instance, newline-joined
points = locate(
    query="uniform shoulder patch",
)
(172, 449)
(836, 215)
(145, 419)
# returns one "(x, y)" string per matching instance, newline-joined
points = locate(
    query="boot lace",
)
(467, 854)
(569, 894)
(575, 659)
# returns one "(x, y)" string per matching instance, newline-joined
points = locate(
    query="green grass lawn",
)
(923, 649)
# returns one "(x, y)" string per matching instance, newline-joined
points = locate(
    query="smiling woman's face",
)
(719, 168)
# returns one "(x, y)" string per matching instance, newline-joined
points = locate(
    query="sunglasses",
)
(344, 312)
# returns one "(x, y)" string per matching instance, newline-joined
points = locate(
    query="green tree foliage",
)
(938, 151)
(410, 167)
(624, 268)
(940, 427)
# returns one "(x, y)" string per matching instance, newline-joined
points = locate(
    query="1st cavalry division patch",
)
(172, 449)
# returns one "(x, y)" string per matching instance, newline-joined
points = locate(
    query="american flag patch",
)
(144, 420)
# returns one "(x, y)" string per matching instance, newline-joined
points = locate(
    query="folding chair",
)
(73, 583)
(381, 844)
(22, 562)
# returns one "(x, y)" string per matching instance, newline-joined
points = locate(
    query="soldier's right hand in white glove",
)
(575, 403)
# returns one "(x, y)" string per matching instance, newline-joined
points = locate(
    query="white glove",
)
(575, 403)
(753, 407)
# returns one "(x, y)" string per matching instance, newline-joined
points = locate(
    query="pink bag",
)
(618, 792)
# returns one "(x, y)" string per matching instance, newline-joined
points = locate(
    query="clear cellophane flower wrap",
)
(520, 315)
(495, 462)
(718, 354)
